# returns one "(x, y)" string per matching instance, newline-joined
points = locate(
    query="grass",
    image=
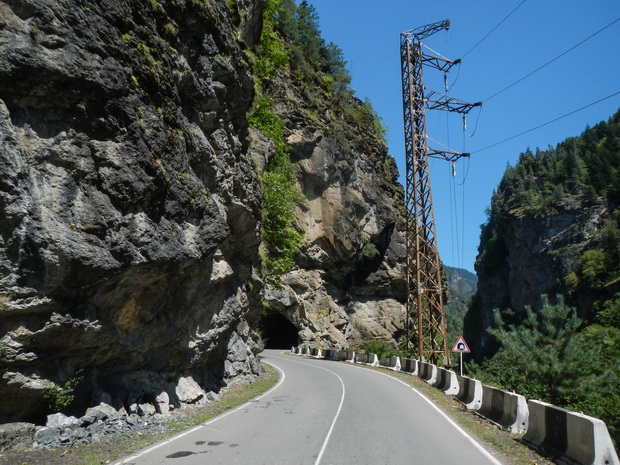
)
(115, 448)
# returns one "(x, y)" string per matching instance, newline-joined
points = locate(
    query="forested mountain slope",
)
(554, 230)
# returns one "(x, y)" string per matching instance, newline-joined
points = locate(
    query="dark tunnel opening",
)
(278, 332)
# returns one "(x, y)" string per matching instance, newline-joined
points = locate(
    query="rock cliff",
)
(131, 206)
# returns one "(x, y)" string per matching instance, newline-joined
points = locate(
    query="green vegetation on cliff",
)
(564, 349)
(291, 44)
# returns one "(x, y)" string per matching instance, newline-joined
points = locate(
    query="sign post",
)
(461, 347)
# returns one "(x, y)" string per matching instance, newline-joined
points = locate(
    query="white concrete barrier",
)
(447, 381)
(506, 409)
(570, 436)
(409, 365)
(470, 393)
(390, 361)
(331, 355)
(373, 360)
(428, 372)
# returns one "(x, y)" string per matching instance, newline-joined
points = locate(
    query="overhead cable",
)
(551, 61)
(548, 122)
(491, 31)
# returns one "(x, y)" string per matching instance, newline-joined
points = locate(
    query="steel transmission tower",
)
(425, 286)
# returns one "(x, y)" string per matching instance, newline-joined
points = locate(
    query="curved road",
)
(324, 413)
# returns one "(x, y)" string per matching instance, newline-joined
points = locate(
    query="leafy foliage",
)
(272, 56)
(549, 357)
(280, 195)
(318, 65)
(60, 397)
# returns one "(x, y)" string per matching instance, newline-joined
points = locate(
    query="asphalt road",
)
(324, 413)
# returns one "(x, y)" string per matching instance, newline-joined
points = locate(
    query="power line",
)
(551, 61)
(491, 31)
(548, 122)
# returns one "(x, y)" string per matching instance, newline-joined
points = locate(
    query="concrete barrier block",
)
(373, 360)
(390, 361)
(447, 381)
(428, 372)
(409, 365)
(508, 410)
(350, 356)
(570, 436)
(470, 393)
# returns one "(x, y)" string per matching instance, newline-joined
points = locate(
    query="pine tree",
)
(548, 349)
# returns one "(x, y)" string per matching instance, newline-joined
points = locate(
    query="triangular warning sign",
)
(461, 346)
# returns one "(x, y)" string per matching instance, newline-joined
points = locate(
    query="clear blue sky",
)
(538, 31)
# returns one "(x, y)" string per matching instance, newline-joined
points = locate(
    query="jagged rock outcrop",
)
(349, 286)
(131, 207)
(531, 256)
(130, 213)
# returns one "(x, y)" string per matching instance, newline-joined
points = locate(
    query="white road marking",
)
(205, 424)
(485, 452)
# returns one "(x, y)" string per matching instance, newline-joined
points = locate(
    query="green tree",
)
(548, 349)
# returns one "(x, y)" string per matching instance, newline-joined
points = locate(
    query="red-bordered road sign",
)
(461, 346)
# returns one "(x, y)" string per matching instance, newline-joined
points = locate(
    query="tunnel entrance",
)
(278, 331)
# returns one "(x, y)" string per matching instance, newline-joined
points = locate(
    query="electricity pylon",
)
(425, 285)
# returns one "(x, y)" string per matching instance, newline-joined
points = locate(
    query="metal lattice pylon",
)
(425, 285)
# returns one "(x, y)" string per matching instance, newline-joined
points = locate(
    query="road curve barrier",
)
(470, 393)
(390, 361)
(428, 372)
(409, 365)
(373, 360)
(570, 436)
(506, 409)
(447, 381)
(361, 358)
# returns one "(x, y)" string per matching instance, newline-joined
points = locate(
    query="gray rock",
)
(102, 412)
(60, 421)
(87, 420)
(134, 420)
(16, 435)
(188, 391)
(47, 437)
(162, 403)
(145, 410)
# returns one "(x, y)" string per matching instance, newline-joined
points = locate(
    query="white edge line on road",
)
(207, 423)
(443, 414)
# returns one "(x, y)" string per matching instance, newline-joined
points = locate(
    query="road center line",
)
(331, 428)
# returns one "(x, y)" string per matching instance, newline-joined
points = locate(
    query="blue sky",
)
(538, 31)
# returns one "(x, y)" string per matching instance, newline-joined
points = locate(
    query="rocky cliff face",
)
(130, 206)
(544, 222)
